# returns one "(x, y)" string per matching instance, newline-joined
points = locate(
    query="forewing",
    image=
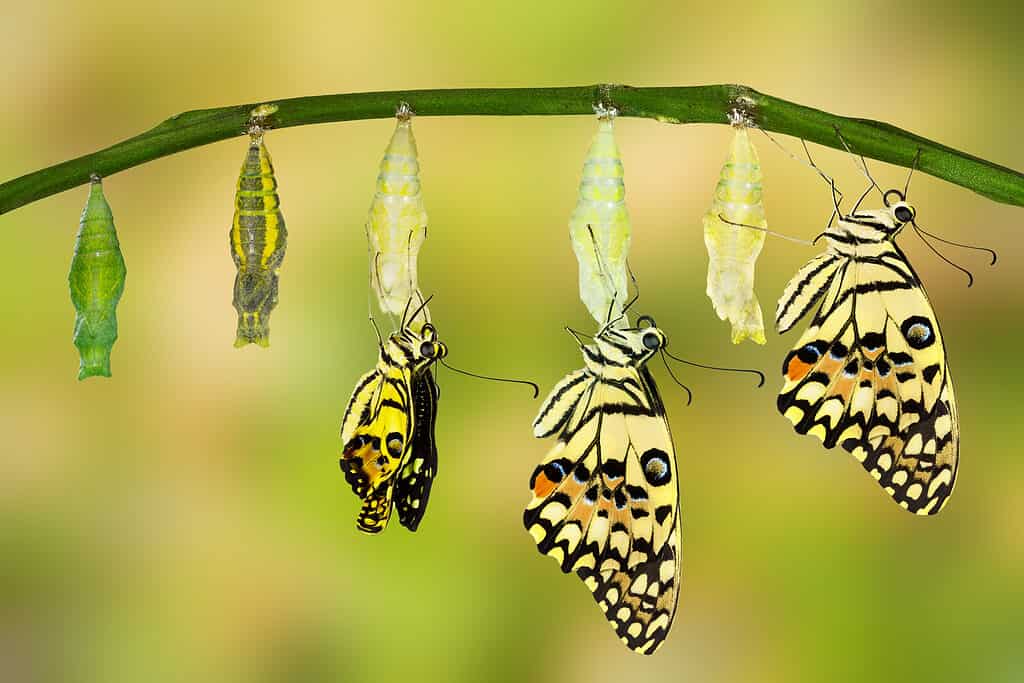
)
(378, 443)
(559, 406)
(358, 410)
(805, 289)
(413, 482)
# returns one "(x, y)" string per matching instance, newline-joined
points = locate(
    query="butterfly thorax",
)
(868, 233)
(620, 351)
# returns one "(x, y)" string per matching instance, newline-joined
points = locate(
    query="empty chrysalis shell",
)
(258, 239)
(600, 228)
(397, 222)
(733, 247)
(97, 282)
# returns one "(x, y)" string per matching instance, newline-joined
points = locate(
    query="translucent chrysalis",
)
(734, 232)
(97, 282)
(397, 222)
(258, 239)
(599, 226)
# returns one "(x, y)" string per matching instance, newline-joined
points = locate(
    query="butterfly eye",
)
(427, 349)
(903, 213)
(652, 341)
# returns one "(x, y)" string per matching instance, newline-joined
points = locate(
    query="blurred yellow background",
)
(187, 520)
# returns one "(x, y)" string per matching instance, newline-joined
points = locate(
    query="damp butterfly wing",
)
(870, 375)
(732, 248)
(96, 281)
(359, 405)
(416, 477)
(377, 423)
(605, 502)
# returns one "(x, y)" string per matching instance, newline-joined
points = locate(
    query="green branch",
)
(696, 104)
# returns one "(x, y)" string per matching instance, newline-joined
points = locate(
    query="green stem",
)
(695, 104)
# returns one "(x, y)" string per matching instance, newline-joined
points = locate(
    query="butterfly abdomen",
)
(732, 248)
(96, 281)
(258, 240)
(397, 222)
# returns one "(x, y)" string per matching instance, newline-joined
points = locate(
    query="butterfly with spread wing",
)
(390, 454)
(870, 372)
(606, 498)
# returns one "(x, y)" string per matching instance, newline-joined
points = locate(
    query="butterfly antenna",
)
(970, 277)
(862, 167)
(689, 394)
(715, 367)
(995, 256)
(837, 195)
(380, 339)
(407, 320)
(576, 335)
(765, 230)
(913, 167)
(536, 389)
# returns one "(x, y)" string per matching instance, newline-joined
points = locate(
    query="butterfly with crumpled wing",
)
(389, 456)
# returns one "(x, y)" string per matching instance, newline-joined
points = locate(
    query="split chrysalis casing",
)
(734, 233)
(396, 225)
(600, 228)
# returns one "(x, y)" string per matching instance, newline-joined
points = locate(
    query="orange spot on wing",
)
(797, 369)
(542, 486)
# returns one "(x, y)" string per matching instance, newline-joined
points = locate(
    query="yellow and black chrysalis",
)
(258, 239)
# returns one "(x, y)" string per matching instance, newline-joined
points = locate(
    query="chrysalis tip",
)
(95, 362)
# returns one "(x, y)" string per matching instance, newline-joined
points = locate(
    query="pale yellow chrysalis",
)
(734, 232)
(397, 222)
(600, 227)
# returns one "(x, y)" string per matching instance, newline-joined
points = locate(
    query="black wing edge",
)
(414, 486)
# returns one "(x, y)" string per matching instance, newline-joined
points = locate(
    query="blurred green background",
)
(186, 520)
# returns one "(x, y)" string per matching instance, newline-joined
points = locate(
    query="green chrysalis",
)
(97, 282)
(258, 239)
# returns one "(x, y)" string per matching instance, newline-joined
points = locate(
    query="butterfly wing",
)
(606, 504)
(375, 433)
(870, 375)
(413, 482)
(805, 289)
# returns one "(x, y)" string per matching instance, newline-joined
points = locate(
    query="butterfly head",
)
(422, 348)
(900, 211)
(887, 221)
(633, 345)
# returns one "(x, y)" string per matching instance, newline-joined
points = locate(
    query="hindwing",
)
(870, 374)
(606, 502)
